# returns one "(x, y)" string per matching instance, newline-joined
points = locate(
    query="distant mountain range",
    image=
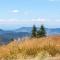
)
(6, 36)
(24, 29)
(53, 31)
(50, 31)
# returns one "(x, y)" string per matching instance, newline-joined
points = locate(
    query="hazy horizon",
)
(23, 13)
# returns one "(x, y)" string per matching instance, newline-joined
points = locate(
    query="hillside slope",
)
(46, 48)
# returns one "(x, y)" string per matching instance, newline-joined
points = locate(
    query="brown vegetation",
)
(31, 47)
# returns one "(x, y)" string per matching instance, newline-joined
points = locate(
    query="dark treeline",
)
(38, 33)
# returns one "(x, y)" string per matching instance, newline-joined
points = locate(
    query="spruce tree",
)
(34, 31)
(41, 32)
(38, 33)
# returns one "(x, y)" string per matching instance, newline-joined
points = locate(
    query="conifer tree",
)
(41, 32)
(34, 31)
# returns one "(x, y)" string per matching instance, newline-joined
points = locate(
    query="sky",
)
(26, 13)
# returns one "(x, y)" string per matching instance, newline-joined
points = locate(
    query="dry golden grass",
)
(36, 48)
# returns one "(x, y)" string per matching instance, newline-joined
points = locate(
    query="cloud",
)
(15, 11)
(14, 23)
(39, 20)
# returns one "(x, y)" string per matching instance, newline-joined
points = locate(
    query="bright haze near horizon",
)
(25, 13)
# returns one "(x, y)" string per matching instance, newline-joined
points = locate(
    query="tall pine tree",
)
(34, 31)
(41, 32)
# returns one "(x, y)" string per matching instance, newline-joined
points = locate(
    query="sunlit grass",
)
(36, 48)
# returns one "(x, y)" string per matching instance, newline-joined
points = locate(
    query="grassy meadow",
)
(45, 48)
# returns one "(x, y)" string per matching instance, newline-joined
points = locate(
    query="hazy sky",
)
(19, 13)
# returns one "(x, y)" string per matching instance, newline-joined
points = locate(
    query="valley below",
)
(7, 36)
